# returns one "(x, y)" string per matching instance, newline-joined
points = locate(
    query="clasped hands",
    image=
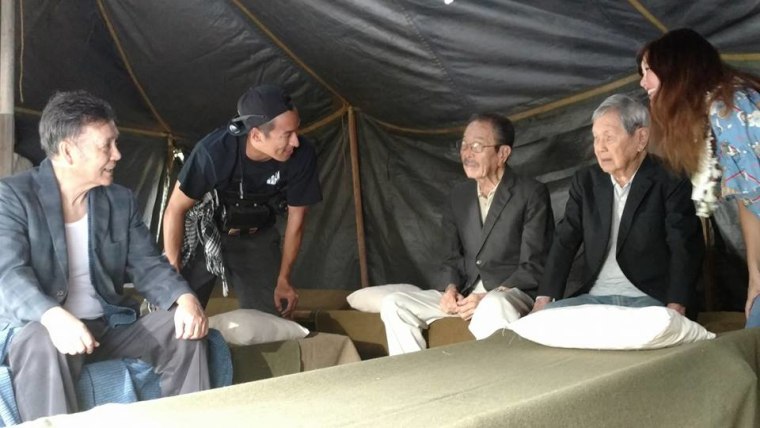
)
(453, 303)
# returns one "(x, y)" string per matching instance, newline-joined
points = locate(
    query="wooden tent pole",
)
(166, 186)
(7, 72)
(356, 179)
(708, 266)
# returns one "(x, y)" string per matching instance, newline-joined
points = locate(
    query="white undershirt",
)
(82, 300)
(611, 280)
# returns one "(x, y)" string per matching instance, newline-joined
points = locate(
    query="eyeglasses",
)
(475, 147)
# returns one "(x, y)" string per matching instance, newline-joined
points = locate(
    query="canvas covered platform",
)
(501, 381)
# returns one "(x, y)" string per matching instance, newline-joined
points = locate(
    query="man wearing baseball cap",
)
(232, 189)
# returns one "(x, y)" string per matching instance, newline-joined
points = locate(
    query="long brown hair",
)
(688, 68)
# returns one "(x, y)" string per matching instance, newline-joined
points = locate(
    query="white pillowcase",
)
(249, 327)
(609, 327)
(370, 299)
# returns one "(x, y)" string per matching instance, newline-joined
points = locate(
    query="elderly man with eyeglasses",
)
(498, 228)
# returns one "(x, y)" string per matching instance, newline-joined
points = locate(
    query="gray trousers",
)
(44, 380)
(251, 263)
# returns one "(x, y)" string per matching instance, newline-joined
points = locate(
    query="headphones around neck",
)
(237, 125)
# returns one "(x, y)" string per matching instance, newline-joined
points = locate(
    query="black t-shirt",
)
(219, 159)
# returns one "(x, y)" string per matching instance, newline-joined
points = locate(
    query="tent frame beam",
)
(7, 73)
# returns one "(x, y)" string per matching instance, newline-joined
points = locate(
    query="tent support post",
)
(166, 189)
(7, 72)
(708, 266)
(357, 185)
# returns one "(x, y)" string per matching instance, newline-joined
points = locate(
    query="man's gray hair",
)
(67, 114)
(633, 114)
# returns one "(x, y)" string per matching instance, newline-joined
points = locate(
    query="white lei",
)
(706, 181)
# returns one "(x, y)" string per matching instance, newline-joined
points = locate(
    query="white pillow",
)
(370, 299)
(249, 327)
(609, 327)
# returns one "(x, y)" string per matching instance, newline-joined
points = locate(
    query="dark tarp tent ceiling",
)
(410, 71)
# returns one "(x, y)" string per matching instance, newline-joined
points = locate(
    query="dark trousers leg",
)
(252, 264)
(182, 364)
(44, 380)
(200, 280)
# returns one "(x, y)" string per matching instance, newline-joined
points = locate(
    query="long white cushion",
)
(249, 327)
(609, 327)
(370, 299)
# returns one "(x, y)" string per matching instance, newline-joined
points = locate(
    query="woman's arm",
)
(750, 225)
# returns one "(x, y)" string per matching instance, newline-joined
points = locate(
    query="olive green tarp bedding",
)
(501, 381)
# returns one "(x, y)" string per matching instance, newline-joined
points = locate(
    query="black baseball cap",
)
(260, 104)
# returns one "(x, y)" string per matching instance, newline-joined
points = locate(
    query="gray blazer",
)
(34, 266)
(510, 248)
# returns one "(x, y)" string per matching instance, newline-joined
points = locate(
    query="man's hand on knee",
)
(68, 334)
(190, 320)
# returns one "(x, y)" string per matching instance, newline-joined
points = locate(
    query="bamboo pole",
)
(7, 72)
(357, 185)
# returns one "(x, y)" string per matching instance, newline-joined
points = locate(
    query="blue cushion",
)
(119, 381)
(106, 382)
(8, 411)
(219, 360)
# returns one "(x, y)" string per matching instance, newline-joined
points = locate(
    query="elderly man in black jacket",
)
(643, 242)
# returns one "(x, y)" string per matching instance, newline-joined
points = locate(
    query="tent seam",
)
(129, 68)
(287, 51)
(436, 58)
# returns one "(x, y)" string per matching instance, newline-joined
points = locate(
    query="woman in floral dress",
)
(706, 120)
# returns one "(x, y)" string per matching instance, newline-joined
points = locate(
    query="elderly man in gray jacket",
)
(70, 241)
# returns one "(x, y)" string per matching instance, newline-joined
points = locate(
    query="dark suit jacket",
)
(659, 246)
(510, 248)
(34, 266)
